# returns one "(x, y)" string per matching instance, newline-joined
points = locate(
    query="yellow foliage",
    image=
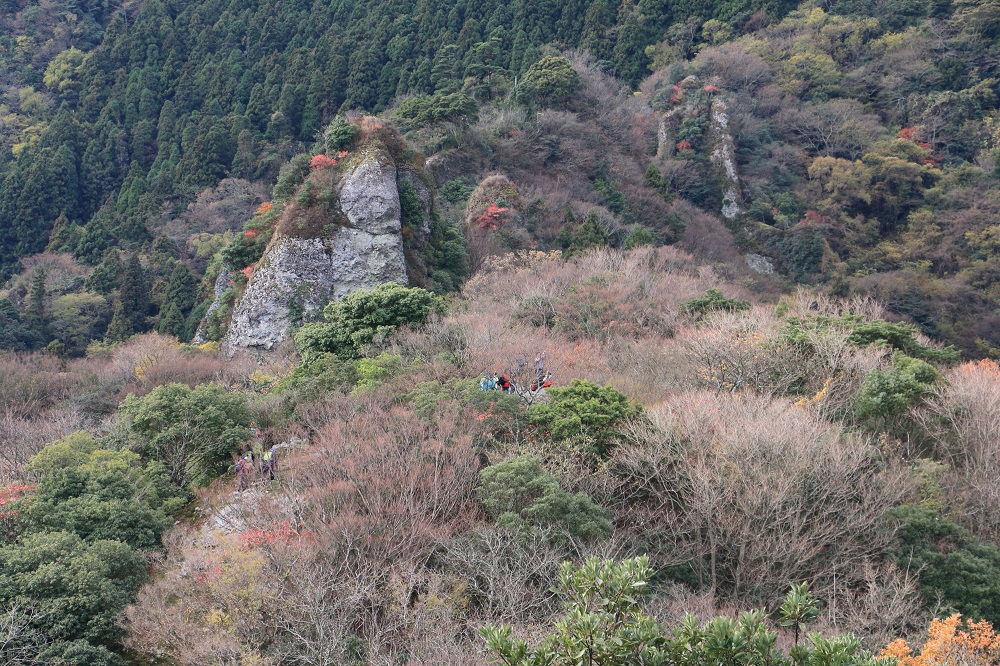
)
(987, 240)
(949, 643)
(210, 347)
(806, 402)
(144, 364)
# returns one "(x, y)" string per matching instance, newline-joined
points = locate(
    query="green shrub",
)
(891, 392)
(99, 494)
(589, 234)
(373, 372)
(78, 588)
(243, 251)
(899, 336)
(713, 301)
(292, 175)
(78, 653)
(517, 492)
(457, 190)
(364, 317)
(424, 110)
(551, 81)
(952, 564)
(446, 255)
(639, 236)
(191, 431)
(340, 135)
(583, 412)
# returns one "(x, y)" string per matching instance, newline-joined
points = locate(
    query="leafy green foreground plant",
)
(604, 625)
(76, 553)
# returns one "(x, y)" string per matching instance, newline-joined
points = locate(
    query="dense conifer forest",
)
(695, 361)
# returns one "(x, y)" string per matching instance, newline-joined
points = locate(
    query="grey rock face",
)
(305, 273)
(723, 156)
(760, 264)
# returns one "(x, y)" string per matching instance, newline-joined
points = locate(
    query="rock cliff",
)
(299, 273)
(723, 156)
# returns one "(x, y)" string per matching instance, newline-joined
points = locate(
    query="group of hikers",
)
(257, 460)
(495, 381)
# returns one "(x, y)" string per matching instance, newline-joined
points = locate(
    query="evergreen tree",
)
(132, 306)
(119, 329)
(590, 234)
(36, 315)
(182, 292)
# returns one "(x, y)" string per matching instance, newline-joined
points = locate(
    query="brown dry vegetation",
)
(734, 483)
(44, 398)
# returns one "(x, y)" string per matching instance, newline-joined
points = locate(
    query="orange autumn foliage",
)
(949, 644)
(322, 161)
(264, 208)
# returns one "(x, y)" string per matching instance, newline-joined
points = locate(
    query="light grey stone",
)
(309, 272)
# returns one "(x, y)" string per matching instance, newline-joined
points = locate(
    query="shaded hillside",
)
(851, 151)
(179, 95)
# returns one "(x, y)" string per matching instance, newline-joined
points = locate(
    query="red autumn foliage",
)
(684, 146)
(493, 217)
(322, 161)
(8, 516)
(250, 233)
(812, 217)
(248, 271)
(284, 532)
(14, 492)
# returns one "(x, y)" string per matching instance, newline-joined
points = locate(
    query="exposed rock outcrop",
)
(692, 101)
(723, 156)
(299, 274)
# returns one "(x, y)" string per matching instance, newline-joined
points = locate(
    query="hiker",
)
(505, 384)
(270, 462)
(242, 473)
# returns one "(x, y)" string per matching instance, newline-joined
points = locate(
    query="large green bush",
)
(583, 412)
(363, 317)
(898, 336)
(340, 135)
(191, 431)
(518, 492)
(100, 494)
(77, 588)
(954, 567)
(551, 81)
(713, 301)
(888, 393)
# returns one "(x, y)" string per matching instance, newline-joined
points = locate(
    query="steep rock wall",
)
(723, 156)
(300, 275)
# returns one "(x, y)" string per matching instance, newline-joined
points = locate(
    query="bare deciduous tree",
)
(753, 493)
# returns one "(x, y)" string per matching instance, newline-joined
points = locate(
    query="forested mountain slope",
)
(734, 447)
(640, 242)
(862, 139)
(180, 94)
